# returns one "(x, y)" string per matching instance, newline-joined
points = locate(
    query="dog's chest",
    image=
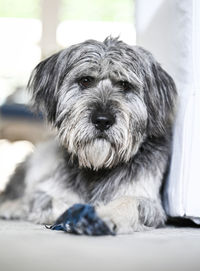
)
(98, 186)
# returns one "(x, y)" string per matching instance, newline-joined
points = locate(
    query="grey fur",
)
(120, 170)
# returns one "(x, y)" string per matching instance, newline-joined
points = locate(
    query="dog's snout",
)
(103, 121)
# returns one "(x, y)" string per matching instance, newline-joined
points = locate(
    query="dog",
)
(112, 106)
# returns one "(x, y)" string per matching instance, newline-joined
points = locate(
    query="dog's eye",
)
(86, 82)
(124, 85)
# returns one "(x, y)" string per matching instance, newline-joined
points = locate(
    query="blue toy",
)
(81, 219)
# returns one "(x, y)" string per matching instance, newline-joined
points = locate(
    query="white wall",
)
(170, 29)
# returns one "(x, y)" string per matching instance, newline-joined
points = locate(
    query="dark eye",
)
(86, 82)
(124, 85)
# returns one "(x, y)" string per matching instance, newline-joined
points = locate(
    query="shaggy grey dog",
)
(113, 108)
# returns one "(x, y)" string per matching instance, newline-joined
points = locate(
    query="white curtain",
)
(170, 29)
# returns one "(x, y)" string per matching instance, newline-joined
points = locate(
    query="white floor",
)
(26, 247)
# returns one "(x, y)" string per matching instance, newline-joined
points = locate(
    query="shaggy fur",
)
(112, 106)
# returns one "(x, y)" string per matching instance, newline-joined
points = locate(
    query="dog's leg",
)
(128, 214)
(137, 206)
(46, 204)
(11, 200)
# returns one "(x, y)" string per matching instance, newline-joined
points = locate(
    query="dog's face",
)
(104, 99)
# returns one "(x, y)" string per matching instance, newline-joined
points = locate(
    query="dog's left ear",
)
(160, 98)
(43, 84)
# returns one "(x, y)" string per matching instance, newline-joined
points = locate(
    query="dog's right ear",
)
(43, 85)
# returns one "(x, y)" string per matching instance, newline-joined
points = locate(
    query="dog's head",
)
(104, 99)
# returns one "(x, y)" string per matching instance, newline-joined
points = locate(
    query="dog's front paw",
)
(81, 219)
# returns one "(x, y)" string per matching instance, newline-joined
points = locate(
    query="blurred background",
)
(30, 31)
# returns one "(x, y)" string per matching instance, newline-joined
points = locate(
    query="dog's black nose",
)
(103, 121)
